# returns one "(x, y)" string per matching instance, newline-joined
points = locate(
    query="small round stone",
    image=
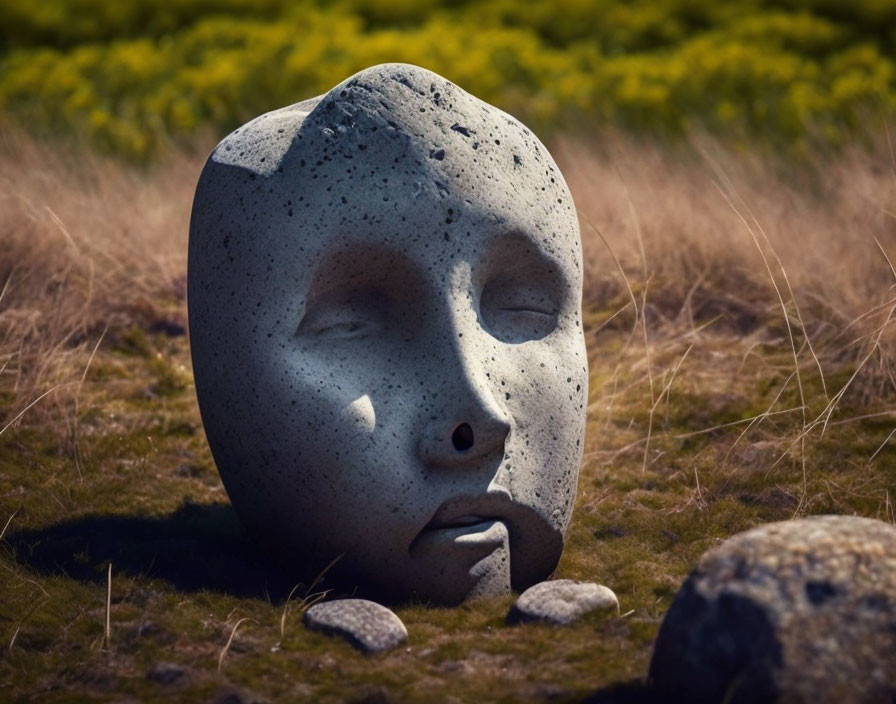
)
(796, 611)
(561, 601)
(370, 627)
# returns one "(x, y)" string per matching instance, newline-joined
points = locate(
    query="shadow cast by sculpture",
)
(634, 692)
(197, 547)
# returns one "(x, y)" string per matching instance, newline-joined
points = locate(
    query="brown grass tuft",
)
(712, 234)
(89, 245)
(683, 242)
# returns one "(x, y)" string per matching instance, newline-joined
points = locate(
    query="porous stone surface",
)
(561, 601)
(384, 289)
(797, 611)
(368, 626)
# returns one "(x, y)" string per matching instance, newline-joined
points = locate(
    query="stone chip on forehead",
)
(260, 145)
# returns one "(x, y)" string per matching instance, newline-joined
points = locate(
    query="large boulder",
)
(797, 611)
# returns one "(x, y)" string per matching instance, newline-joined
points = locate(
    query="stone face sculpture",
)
(384, 297)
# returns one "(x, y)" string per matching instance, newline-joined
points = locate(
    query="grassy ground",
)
(739, 329)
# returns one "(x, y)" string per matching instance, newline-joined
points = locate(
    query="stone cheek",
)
(798, 611)
(385, 291)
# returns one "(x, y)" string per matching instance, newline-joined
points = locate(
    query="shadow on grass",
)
(626, 693)
(198, 547)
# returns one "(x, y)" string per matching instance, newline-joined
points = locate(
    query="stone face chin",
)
(384, 289)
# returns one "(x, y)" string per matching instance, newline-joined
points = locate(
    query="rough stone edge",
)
(255, 148)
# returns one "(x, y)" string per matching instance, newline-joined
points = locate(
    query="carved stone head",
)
(384, 297)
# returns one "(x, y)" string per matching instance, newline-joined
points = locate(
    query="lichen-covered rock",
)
(368, 626)
(797, 611)
(561, 601)
(384, 289)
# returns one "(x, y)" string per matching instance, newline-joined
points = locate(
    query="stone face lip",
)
(561, 601)
(797, 611)
(370, 627)
(384, 291)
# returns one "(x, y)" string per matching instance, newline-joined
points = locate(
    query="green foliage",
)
(133, 76)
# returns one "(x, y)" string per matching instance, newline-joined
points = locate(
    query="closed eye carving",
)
(523, 288)
(517, 311)
(336, 329)
(526, 309)
(340, 316)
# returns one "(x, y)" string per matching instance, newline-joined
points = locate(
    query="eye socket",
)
(517, 311)
(342, 329)
(344, 317)
(524, 286)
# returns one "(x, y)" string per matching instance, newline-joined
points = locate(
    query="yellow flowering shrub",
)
(134, 75)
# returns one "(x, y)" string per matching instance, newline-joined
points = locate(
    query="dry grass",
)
(706, 244)
(93, 245)
(739, 320)
(88, 245)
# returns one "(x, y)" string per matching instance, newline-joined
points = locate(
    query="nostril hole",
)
(462, 439)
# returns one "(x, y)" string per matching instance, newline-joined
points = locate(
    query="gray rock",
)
(384, 290)
(797, 611)
(367, 625)
(561, 601)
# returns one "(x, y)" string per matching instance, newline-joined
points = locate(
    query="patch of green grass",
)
(639, 527)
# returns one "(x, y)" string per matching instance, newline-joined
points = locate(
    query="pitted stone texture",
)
(261, 144)
(798, 611)
(384, 296)
(562, 601)
(368, 626)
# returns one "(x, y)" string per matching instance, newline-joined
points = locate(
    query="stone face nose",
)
(466, 422)
(464, 437)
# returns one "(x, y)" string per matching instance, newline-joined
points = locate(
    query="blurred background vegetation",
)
(133, 77)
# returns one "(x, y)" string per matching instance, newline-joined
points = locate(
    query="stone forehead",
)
(408, 103)
(393, 144)
(389, 108)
